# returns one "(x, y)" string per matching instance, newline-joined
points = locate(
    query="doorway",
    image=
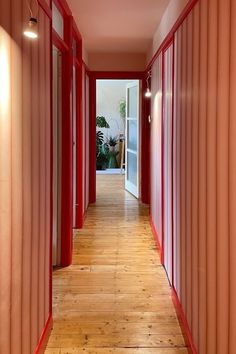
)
(117, 131)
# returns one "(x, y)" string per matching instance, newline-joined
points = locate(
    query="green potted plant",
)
(122, 108)
(101, 155)
(112, 142)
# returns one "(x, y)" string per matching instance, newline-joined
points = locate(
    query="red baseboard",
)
(45, 336)
(178, 307)
(155, 234)
(183, 323)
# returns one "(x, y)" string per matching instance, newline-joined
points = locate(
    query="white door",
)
(132, 139)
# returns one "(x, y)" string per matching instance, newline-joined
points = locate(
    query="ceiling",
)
(117, 25)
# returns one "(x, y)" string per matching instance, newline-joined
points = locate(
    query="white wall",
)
(109, 95)
(169, 18)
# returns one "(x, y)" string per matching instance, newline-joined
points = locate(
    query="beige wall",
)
(24, 180)
(109, 95)
(168, 20)
(117, 61)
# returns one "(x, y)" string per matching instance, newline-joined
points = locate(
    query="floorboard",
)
(115, 297)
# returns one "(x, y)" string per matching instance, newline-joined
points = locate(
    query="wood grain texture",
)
(115, 298)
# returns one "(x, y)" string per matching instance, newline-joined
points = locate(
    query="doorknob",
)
(149, 119)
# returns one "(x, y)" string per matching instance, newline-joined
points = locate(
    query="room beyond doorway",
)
(117, 130)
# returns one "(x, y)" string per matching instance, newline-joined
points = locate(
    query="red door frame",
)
(78, 63)
(167, 46)
(145, 128)
(65, 45)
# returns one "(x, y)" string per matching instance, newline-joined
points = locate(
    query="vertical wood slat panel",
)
(153, 137)
(195, 148)
(232, 184)
(5, 178)
(182, 166)
(87, 140)
(27, 207)
(202, 176)
(189, 24)
(35, 200)
(211, 176)
(23, 177)
(42, 173)
(156, 197)
(167, 153)
(208, 143)
(222, 176)
(17, 131)
(177, 159)
(47, 50)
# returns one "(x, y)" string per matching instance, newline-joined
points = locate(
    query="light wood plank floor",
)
(115, 298)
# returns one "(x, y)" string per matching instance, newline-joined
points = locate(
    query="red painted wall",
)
(25, 128)
(204, 172)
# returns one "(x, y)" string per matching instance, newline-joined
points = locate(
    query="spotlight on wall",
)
(31, 31)
(148, 92)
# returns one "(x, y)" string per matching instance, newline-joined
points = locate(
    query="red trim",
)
(58, 42)
(51, 172)
(79, 144)
(46, 8)
(172, 155)
(155, 234)
(86, 67)
(117, 75)
(145, 145)
(63, 7)
(167, 46)
(177, 24)
(76, 32)
(183, 323)
(80, 148)
(67, 141)
(85, 138)
(179, 310)
(45, 336)
(162, 157)
(92, 139)
(105, 75)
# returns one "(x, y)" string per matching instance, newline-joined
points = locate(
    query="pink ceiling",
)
(117, 25)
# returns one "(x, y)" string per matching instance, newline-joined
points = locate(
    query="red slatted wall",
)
(204, 172)
(24, 179)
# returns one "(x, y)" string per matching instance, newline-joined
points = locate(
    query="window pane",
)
(57, 21)
(133, 100)
(132, 168)
(132, 134)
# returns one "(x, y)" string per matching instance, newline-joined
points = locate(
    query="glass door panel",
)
(132, 139)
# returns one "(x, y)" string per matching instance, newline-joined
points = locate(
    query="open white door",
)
(132, 139)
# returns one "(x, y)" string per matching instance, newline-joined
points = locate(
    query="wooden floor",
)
(115, 298)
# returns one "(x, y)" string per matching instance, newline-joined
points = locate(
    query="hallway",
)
(115, 297)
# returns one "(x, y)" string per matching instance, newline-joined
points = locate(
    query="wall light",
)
(31, 31)
(148, 92)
